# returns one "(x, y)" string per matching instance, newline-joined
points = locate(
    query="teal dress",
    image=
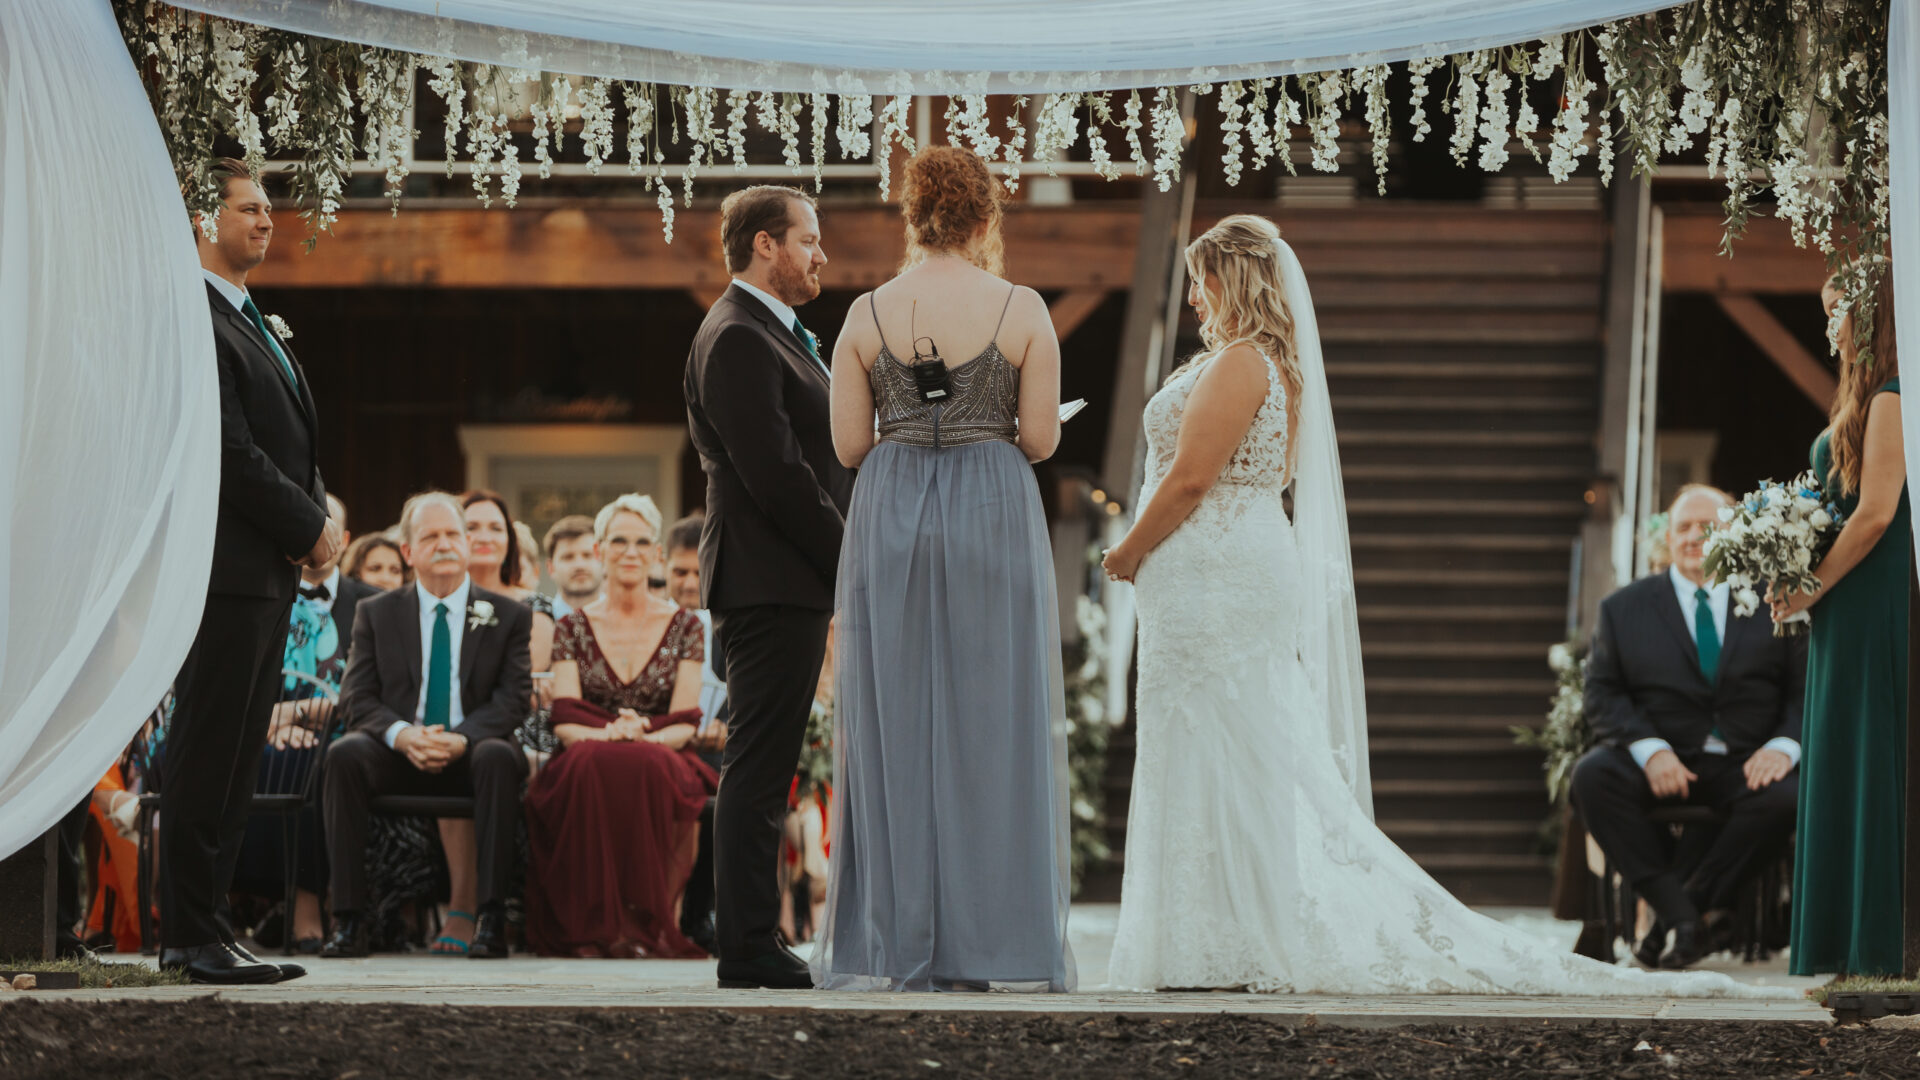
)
(1851, 845)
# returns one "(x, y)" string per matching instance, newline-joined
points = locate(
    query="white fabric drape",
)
(109, 411)
(959, 46)
(1903, 167)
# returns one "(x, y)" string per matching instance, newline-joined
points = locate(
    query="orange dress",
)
(117, 872)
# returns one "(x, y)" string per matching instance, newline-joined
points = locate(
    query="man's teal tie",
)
(440, 671)
(1705, 637)
(806, 339)
(260, 324)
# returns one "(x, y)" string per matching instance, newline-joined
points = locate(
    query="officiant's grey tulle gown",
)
(949, 854)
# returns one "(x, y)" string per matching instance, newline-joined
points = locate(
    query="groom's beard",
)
(794, 283)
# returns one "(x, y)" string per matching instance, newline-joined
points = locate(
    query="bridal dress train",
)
(1252, 857)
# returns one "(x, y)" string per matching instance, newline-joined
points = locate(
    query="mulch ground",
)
(213, 1039)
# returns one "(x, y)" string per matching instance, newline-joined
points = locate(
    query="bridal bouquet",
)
(1774, 536)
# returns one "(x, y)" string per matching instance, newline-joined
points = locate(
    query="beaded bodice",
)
(983, 403)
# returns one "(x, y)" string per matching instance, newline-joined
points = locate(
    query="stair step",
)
(1442, 474)
(1482, 862)
(1471, 745)
(1496, 579)
(1463, 685)
(1424, 827)
(1469, 507)
(1453, 650)
(1459, 369)
(1458, 542)
(1449, 613)
(1440, 725)
(1473, 403)
(1460, 789)
(1426, 439)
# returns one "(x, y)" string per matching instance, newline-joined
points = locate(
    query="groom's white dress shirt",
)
(1718, 598)
(781, 311)
(456, 602)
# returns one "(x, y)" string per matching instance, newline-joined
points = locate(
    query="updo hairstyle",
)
(948, 194)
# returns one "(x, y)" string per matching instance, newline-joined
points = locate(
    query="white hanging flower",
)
(1169, 136)
(1325, 121)
(1494, 134)
(1417, 72)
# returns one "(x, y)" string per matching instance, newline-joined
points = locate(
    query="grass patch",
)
(96, 974)
(1866, 984)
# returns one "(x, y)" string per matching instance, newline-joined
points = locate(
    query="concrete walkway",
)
(687, 984)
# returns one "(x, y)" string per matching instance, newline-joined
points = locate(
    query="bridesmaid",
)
(1852, 842)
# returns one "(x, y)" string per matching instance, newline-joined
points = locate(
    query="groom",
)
(757, 406)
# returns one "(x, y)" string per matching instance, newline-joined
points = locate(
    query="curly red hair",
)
(948, 195)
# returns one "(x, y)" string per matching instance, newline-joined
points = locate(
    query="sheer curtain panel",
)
(109, 411)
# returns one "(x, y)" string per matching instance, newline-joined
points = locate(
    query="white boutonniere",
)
(479, 614)
(280, 326)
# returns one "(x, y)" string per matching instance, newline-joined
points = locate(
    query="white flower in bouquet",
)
(1773, 538)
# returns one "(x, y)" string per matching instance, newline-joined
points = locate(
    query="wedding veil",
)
(1320, 531)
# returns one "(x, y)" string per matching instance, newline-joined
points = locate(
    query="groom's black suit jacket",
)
(758, 412)
(273, 503)
(1644, 679)
(382, 683)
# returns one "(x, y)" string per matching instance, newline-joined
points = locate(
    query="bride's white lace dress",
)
(1250, 861)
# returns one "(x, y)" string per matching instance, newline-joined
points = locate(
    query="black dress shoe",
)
(215, 963)
(700, 930)
(287, 971)
(1689, 945)
(350, 937)
(1650, 947)
(489, 937)
(776, 970)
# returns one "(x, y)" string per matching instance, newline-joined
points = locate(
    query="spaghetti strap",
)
(995, 340)
(875, 308)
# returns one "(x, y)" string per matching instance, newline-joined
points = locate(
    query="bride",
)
(1252, 858)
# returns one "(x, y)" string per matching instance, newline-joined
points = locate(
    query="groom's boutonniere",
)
(479, 614)
(280, 326)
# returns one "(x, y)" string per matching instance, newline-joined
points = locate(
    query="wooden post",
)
(29, 883)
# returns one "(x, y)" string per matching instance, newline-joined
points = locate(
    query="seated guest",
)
(572, 563)
(375, 560)
(438, 679)
(1691, 705)
(683, 588)
(320, 625)
(611, 819)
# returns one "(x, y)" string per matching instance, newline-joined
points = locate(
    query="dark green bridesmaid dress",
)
(1851, 844)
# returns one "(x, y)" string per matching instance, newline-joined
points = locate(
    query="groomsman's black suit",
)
(777, 496)
(272, 510)
(1644, 682)
(382, 687)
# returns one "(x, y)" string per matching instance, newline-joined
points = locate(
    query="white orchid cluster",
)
(1773, 537)
(1790, 96)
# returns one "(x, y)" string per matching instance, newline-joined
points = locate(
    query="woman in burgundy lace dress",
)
(612, 820)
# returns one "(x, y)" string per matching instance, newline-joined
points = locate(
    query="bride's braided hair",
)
(1247, 301)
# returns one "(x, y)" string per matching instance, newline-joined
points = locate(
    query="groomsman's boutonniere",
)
(479, 614)
(280, 326)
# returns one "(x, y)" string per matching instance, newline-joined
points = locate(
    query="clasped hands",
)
(632, 727)
(1790, 604)
(430, 749)
(1669, 778)
(325, 549)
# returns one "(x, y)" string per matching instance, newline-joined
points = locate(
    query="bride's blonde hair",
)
(1241, 255)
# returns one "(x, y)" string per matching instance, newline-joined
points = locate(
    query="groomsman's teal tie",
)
(260, 324)
(1705, 637)
(805, 338)
(439, 671)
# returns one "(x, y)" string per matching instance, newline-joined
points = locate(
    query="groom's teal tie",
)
(806, 339)
(260, 324)
(439, 674)
(1705, 638)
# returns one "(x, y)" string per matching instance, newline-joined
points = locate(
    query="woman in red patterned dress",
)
(612, 820)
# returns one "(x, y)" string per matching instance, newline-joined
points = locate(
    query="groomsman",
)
(757, 409)
(272, 522)
(1692, 704)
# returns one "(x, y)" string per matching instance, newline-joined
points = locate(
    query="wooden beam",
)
(1071, 308)
(1785, 350)
(1764, 260)
(622, 247)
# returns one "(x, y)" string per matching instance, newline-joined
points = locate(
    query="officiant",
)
(1691, 704)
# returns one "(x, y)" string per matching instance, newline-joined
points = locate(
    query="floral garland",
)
(1790, 97)
(1088, 731)
(1565, 736)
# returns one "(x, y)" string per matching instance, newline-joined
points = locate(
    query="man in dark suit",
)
(1691, 704)
(757, 407)
(272, 521)
(438, 678)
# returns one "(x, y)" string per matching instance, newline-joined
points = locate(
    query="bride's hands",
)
(1121, 563)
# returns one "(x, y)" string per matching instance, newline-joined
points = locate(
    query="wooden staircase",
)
(1463, 354)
